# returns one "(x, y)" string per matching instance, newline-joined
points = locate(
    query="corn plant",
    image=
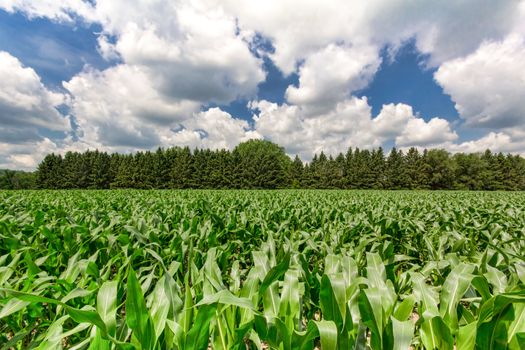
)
(281, 270)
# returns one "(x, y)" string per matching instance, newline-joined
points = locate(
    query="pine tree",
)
(338, 171)
(50, 172)
(161, 171)
(377, 169)
(415, 170)
(349, 171)
(296, 172)
(182, 169)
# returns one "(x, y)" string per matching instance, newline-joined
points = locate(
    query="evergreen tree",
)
(161, 169)
(308, 180)
(182, 169)
(263, 164)
(50, 172)
(488, 175)
(415, 170)
(296, 172)
(124, 175)
(349, 171)
(362, 173)
(337, 171)
(395, 170)
(100, 174)
(377, 169)
(315, 172)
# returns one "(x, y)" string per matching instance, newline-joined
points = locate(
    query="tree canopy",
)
(258, 164)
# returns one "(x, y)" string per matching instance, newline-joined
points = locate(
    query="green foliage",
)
(16, 180)
(258, 164)
(132, 269)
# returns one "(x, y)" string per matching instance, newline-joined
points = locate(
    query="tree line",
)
(17, 180)
(258, 164)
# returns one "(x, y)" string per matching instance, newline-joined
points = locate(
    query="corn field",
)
(262, 270)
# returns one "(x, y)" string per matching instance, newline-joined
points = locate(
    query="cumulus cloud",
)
(419, 132)
(25, 156)
(349, 124)
(177, 58)
(122, 106)
(58, 10)
(25, 103)
(192, 50)
(398, 122)
(214, 128)
(495, 141)
(443, 30)
(392, 119)
(332, 132)
(488, 86)
(330, 75)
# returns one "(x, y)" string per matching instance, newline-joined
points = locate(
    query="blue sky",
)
(123, 77)
(401, 79)
(56, 51)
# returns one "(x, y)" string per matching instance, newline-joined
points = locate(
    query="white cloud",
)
(330, 75)
(398, 122)
(121, 106)
(214, 129)
(58, 10)
(392, 119)
(119, 109)
(509, 141)
(488, 86)
(192, 50)
(433, 133)
(177, 58)
(333, 132)
(349, 124)
(495, 141)
(25, 156)
(444, 29)
(25, 103)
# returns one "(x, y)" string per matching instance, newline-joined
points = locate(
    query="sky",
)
(130, 75)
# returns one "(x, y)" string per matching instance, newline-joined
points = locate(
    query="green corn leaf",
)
(455, 286)
(402, 334)
(517, 325)
(12, 306)
(275, 273)
(76, 293)
(225, 297)
(198, 335)
(371, 311)
(107, 305)
(435, 334)
(327, 334)
(466, 339)
(160, 307)
(405, 308)
(137, 316)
